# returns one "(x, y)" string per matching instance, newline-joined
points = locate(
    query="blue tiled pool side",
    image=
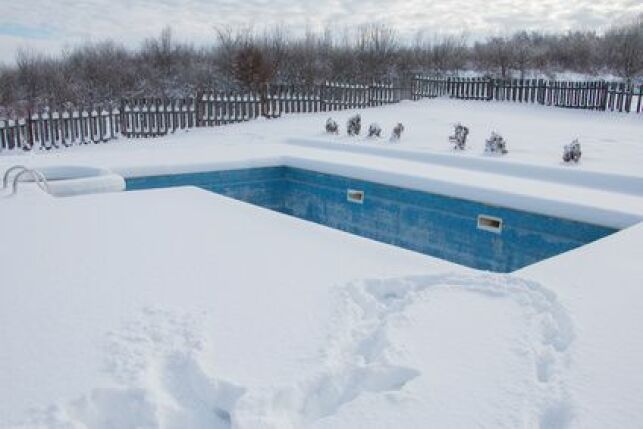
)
(432, 224)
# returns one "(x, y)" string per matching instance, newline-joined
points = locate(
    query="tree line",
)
(243, 59)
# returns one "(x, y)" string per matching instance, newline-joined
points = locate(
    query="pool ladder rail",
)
(20, 171)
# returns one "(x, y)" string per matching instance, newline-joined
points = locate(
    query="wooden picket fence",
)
(597, 95)
(55, 128)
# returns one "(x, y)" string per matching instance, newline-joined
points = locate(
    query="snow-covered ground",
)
(179, 308)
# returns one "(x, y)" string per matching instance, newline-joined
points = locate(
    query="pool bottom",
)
(477, 235)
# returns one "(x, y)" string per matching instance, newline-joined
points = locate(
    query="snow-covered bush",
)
(459, 137)
(572, 152)
(496, 144)
(354, 125)
(397, 132)
(331, 126)
(374, 130)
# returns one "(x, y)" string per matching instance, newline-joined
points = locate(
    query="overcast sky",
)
(49, 25)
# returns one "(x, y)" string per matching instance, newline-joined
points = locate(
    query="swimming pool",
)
(470, 233)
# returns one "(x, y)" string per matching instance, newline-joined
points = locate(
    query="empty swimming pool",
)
(477, 235)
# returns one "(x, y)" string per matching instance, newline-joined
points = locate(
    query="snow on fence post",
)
(124, 121)
(3, 138)
(296, 96)
(208, 108)
(143, 117)
(13, 134)
(49, 127)
(287, 97)
(628, 96)
(324, 91)
(153, 124)
(199, 109)
(48, 131)
(190, 108)
(98, 114)
(96, 124)
(10, 135)
(257, 104)
(595, 95)
(53, 127)
(232, 107)
(30, 128)
(224, 108)
(114, 124)
(217, 108)
(276, 99)
(305, 100)
(598, 95)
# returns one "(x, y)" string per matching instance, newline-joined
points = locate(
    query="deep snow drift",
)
(179, 308)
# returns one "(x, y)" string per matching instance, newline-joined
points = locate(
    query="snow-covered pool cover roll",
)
(71, 180)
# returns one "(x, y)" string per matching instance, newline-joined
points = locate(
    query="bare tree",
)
(522, 52)
(376, 48)
(449, 54)
(251, 69)
(496, 55)
(624, 48)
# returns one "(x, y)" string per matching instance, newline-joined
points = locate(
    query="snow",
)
(605, 362)
(177, 308)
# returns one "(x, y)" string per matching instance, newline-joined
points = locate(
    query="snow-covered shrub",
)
(397, 132)
(331, 126)
(571, 152)
(354, 125)
(496, 144)
(374, 130)
(459, 137)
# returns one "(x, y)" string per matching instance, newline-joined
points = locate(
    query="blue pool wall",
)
(432, 224)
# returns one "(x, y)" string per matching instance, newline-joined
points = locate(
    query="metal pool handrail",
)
(5, 178)
(37, 176)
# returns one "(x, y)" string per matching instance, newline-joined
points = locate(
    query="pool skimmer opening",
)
(355, 196)
(490, 223)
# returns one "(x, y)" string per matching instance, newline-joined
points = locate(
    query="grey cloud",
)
(131, 21)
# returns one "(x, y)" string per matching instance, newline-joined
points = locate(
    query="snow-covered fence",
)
(221, 108)
(156, 117)
(337, 96)
(597, 95)
(55, 128)
(145, 117)
(276, 100)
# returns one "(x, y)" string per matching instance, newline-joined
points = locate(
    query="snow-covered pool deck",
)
(181, 308)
